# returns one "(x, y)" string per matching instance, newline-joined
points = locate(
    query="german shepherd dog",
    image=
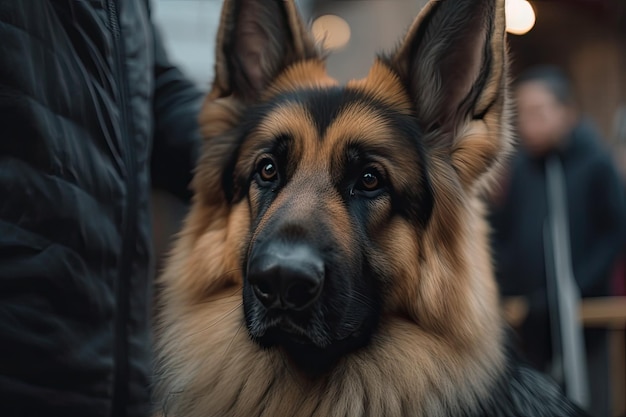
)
(335, 260)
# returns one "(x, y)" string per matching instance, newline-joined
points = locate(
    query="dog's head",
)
(335, 206)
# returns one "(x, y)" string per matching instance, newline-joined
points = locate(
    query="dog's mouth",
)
(304, 348)
(302, 301)
(309, 343)
(283, 331)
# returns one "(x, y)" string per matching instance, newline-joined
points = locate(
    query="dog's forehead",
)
(313, 105)
(381, 85)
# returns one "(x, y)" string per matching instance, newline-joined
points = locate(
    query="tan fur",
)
(384, 85)
(439, 346)
(306, 74)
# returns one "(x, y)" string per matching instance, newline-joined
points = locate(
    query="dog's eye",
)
(370, 180)
(267, 170)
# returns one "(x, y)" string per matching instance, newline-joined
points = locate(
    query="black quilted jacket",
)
(88, 104)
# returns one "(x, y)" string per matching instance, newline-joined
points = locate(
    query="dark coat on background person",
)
(88, 104)
(596, 220)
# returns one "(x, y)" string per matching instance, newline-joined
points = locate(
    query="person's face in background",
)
(543, 122)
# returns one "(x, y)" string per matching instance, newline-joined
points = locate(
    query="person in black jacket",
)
(548, 125)
(92, 114)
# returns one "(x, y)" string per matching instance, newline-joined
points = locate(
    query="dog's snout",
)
(286, 276)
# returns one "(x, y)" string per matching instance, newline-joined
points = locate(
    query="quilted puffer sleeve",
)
(176, 145)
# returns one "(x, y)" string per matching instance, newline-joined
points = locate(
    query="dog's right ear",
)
(256, 40)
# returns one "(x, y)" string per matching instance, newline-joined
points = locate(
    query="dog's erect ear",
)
(256, 40)
(453, 63)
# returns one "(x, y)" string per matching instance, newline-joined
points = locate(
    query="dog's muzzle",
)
(286, 276)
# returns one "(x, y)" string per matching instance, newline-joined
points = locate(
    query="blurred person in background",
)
(548, 126)
(92, 114)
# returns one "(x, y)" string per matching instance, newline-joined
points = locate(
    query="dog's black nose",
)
(286, 276)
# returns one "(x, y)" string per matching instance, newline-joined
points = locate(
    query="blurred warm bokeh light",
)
(331, 31)
(520, 17)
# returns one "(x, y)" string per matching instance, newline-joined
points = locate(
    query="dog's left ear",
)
(453, 64)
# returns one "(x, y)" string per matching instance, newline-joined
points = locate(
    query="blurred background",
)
(585, 38)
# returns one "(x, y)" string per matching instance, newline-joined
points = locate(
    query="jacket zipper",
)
(120, 376)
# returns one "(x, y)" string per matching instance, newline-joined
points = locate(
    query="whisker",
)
(236, 287)
(233, 339)
(218, 320)
(362, 298)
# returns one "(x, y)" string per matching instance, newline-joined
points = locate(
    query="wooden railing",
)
(602, 312)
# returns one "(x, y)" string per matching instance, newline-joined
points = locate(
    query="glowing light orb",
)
(331, 31)
(520, 16)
